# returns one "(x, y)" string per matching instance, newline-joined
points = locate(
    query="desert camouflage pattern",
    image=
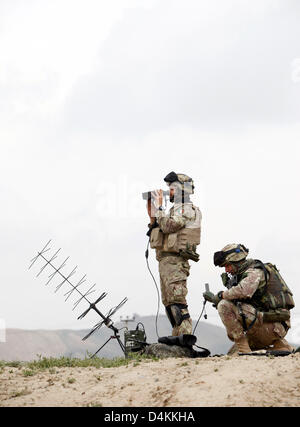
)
(234, 257)
(184, 178)
(179, 216)
(247, 287)
(186, 327)
(173, 271)
(261, 335)
(186, 184)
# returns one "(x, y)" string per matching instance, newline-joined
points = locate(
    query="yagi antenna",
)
(83, 295)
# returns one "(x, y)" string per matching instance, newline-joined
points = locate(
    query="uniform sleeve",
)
(247, 287)
(174, 222)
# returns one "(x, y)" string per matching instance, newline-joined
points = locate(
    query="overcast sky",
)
(101, 99)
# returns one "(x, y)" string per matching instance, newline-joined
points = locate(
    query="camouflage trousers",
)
(173, 271)
(260, 336)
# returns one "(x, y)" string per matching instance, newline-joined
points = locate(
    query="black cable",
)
(199, 317)
(158, 296)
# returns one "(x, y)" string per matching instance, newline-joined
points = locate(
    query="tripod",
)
(115, 336)
(74, 288)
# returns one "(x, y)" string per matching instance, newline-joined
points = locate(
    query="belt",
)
(165, 254)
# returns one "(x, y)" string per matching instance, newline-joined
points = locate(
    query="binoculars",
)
(150, 194)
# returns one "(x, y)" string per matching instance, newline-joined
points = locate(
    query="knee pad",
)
(175, 315)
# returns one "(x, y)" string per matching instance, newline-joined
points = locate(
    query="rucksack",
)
(275, 294)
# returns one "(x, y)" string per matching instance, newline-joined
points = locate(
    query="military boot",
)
(242, 346)
(282, 345)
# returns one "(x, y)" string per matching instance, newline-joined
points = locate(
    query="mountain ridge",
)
(26, 345)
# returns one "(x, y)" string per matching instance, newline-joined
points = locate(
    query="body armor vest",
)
(187, 238)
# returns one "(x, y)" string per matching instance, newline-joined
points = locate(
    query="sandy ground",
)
(216, 381)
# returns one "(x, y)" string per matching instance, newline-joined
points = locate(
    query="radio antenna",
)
(56, 271)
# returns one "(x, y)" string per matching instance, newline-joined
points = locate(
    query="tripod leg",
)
(121, 345)
(101, 347)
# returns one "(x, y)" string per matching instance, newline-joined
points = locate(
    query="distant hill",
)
(26, 345)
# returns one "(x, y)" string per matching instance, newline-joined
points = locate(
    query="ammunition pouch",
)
(151, 227)
(189, 253)
(276, 316)
(156, 238)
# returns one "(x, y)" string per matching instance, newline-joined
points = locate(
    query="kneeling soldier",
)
(255, 308)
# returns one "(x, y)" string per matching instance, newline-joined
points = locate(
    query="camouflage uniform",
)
(260, 335)
(173, 268)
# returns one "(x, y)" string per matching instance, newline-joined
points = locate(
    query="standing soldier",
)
(175, 237)
(255, 308)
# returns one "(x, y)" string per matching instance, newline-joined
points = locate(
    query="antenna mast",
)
(83, 295)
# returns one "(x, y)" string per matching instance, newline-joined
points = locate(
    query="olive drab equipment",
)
(274, 294)
(135, 340)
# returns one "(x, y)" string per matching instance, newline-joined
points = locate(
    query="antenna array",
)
(77, 289)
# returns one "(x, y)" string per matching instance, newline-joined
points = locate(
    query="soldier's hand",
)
(214, 299)
(151, 210)
(158, 197)
(209, 296)
(225, 279)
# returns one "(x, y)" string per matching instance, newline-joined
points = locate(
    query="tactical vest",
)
(272, 293)
(187, 238)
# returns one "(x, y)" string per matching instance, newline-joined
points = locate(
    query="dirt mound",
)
(178, 382)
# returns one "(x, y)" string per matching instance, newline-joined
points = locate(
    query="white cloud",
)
(46, 46)
(197, 65)
(121, 93)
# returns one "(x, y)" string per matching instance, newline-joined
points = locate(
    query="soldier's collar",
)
(245, 265)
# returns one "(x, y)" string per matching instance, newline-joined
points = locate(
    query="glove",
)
(215, 299)
(225, 279)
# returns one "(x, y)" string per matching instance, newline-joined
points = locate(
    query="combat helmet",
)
(230, 254)
(181, 182)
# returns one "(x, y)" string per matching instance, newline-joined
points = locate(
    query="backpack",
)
(275, 294)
